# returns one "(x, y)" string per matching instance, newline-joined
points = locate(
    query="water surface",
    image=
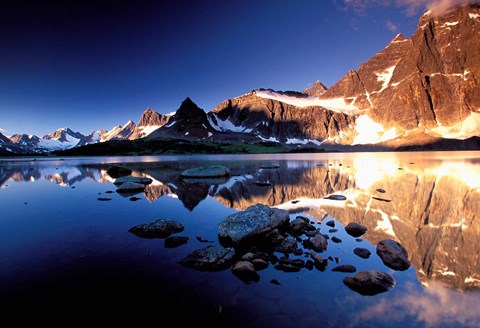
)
(64, 251)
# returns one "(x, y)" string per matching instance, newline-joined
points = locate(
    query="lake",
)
(65, 253)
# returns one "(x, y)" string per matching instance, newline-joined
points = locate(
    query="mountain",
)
(418, 93)
(427, 85)
(188, 122)
(415, 91)
(149, 122)
(317, 89)
(119, 132)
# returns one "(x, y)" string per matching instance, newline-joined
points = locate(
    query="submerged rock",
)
(344, 268)
(253, 222)
(393, 254)
(175, 241)
(160, 228)
(370, 282)
(336, 197)
(210, 258)
(128, 187)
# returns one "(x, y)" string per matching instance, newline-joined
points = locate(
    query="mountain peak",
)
(188, 108)
(316, 89)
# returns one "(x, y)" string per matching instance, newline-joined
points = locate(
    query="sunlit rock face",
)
(427, 83)
(278, 121)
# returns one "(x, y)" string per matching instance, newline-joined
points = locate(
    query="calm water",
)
(64, 252)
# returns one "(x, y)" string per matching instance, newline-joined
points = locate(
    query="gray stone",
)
(370, 282)
(210, 258)
(160, 228)
(254, 221)
(130, 186)
(393, 254)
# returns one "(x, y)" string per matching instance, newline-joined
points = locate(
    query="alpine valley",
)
(418, 93)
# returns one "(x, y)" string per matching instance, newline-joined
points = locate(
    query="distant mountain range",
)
(416, 93)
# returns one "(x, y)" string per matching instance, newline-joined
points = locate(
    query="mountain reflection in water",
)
(429, 202)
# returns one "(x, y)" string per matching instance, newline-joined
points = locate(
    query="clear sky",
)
(94, 64)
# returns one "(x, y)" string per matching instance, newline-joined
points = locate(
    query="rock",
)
(319, 243)
(344, 268)
(202, 240)
(286, 267)
(252, 222)
(336, 239)
(330, 223)
(287, 245)
(160, 228)
(393, 254)
(118, 171)
(318, 261)
(139, 180)
(297, 225)
(134, 199)
(380, 190)
(127, 187)
(370, 282)
(382, 199)
(362, 252)
(206, 172)
(336, 197)
(259, 264)
(355, 229)
(270, 166)
(275, 282)
(210, 258)
(103, 199)
(175, 241)
(245, 271)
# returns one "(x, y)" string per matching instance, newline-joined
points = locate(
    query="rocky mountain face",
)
(317, 89)
(426, 84)
(421, 91)
(188, 122)
(416, 90)
(149, 122)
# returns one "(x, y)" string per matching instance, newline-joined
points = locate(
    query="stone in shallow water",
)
(370, 282)
(245, 271)
(362, 252)
(393, 254)
(160, 228)
(130, 186)
(206, 172)
(254, 221)
(336, 197)
(118, 171)
(140, 180)
(355, 229)
(344, 268)
(210, 258)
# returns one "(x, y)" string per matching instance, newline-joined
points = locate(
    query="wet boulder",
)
(118, 171)
(210, 258)
(160, 228)
(370, 282)
(393, 254)
(139, 180)
(355, 229)
(206, 172)
(245, 271)
(251, 223)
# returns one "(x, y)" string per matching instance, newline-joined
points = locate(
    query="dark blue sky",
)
(89, 65)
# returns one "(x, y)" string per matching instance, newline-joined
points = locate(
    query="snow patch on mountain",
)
(334, 104)
(146, 130)
(226, 125)
(469, 127)
(371, 132)
(55, 144)
(385, 77)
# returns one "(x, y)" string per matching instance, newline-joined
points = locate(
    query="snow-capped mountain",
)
(417, 91)
(65, 138)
